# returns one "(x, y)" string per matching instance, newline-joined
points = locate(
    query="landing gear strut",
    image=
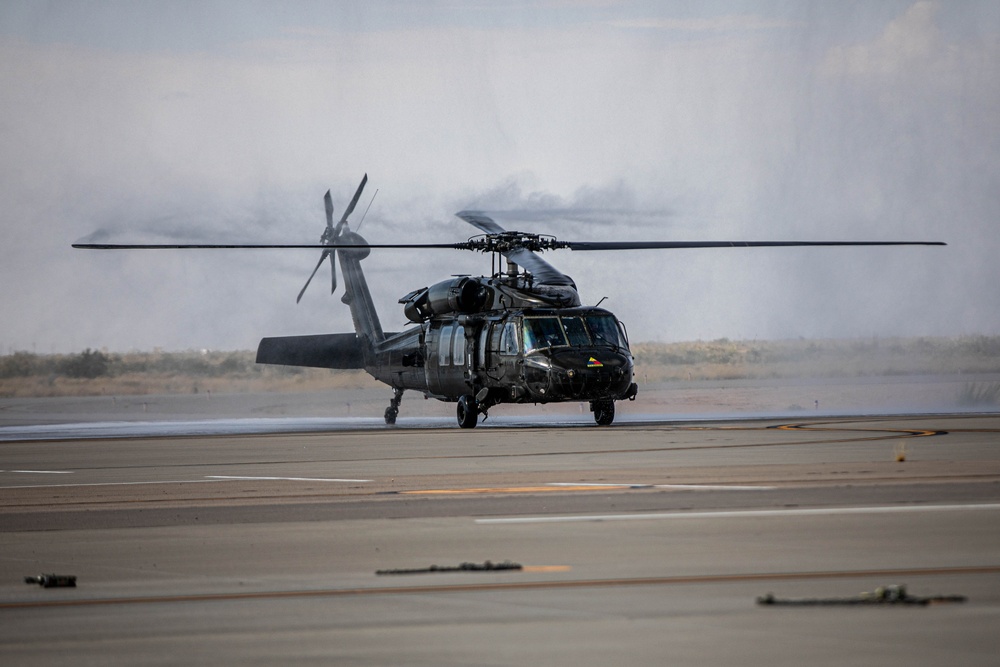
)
(604, 411)
(392, 411)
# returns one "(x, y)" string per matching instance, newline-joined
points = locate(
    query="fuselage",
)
(531, 355)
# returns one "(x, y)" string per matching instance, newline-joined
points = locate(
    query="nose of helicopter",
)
(585, 374)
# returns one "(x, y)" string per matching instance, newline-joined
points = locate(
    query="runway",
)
(647, 542)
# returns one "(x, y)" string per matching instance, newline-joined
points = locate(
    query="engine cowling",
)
(460, 295)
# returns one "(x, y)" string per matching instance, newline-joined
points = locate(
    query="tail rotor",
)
(331, 235)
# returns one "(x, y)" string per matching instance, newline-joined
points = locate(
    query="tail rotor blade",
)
(309, 280)
(328, 201)
(354, 201)
(350, 207)
(333, 270)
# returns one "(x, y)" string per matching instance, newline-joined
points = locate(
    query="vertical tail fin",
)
(356, 293)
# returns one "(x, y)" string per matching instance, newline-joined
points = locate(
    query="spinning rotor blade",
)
(655, 245)
(328, 204)
(544, 273)
(327, 237)
(481, 221)
(330, 236)
(466, 245)
(350, 208)
(264, 246)
(309, 280)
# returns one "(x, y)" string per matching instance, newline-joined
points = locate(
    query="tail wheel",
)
(604, 412)
(468, 411)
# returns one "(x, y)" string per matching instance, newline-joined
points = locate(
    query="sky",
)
(226, 122)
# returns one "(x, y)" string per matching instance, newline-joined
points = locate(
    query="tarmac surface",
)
(647, 542)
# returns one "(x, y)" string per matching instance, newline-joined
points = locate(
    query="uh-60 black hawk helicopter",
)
(517, 336)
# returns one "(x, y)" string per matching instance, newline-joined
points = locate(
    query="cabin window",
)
(444, 345)
(458, 346)
(482, 347)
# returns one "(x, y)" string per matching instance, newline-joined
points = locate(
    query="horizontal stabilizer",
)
(320, 351)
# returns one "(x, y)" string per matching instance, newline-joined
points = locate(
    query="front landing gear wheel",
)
(604, 412)
(468, 411)
(390, 415)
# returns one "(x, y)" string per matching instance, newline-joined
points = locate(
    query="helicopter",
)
(520, 335)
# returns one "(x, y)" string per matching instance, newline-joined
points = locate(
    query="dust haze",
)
(722, 121)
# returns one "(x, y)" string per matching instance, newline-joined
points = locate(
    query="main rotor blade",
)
(655, 245)
(543, 272)
(481, 221)
(573, 245)
(264, 246)
(309, 280)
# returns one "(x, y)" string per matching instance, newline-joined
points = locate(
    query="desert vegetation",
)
(731, 360)
(97, 372)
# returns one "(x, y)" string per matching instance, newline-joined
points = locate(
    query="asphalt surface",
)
(648, 542)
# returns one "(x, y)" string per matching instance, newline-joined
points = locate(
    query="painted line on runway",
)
(714, 487)
(286, 479)
(577, 486)
(744, 514)
(600, 485)
(44, 472)
(64, 486)
(209, 479)
(680, 487)
(507, 489)
(546, 568)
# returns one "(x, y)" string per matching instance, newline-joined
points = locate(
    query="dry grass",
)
(138, 373)
(732, 360)
(142, 373)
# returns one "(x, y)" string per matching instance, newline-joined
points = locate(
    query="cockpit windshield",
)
(576, 331)
(542, 332)
(604, 329)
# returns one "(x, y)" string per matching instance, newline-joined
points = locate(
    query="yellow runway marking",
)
(502, 489)
(546, 568)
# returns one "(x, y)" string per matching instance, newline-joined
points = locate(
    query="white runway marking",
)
(745, 514)
(45, 472)
(288, 479)
(62, 486)
(208, 480)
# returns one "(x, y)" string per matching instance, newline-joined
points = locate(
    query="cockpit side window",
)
(508, 339)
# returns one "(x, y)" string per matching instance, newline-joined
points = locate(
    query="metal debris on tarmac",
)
(52, 580)
(883, 595)
(487, 566)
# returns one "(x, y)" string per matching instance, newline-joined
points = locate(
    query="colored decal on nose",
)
(594, 363)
